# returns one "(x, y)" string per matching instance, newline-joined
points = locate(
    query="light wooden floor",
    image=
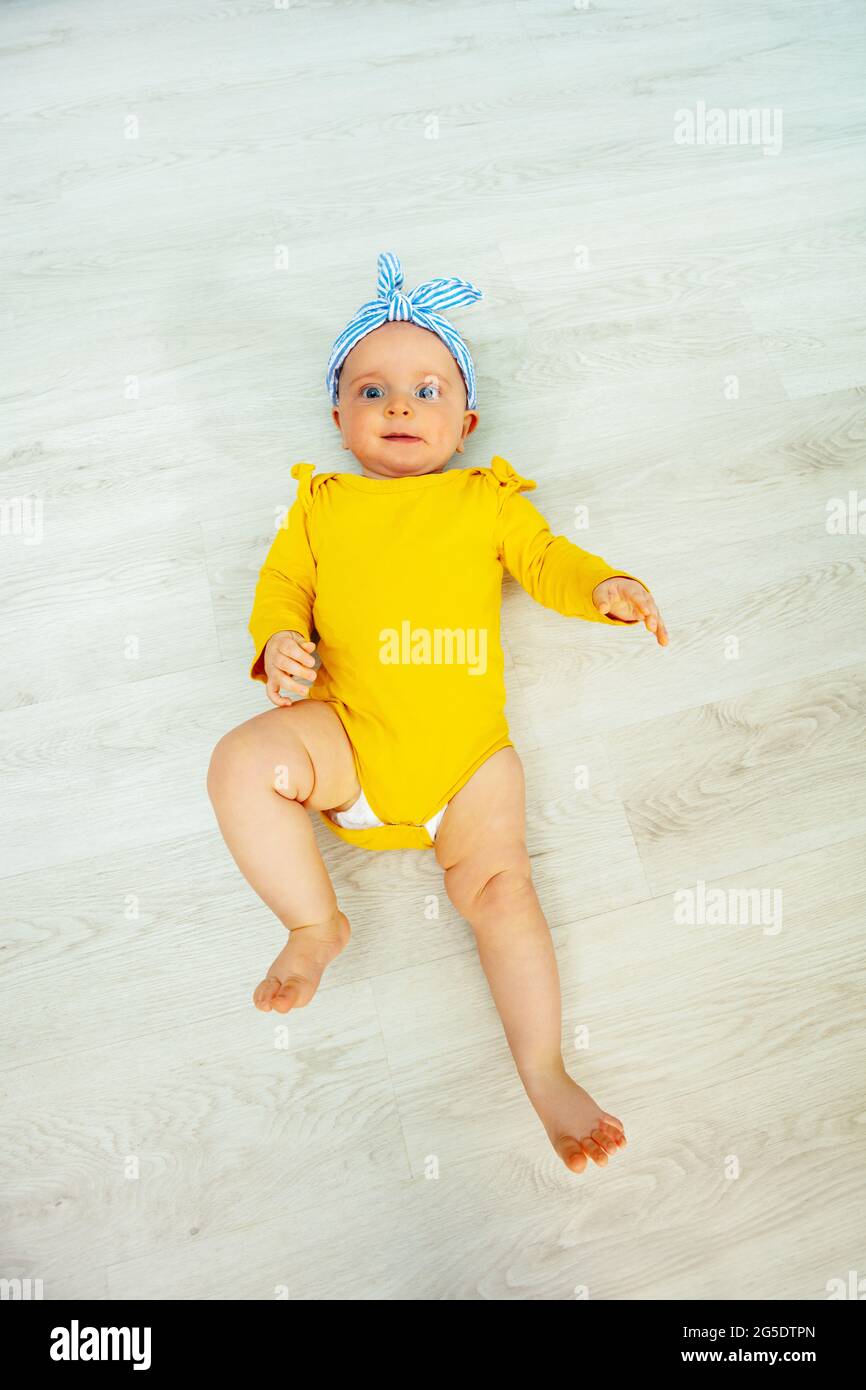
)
(700, 384)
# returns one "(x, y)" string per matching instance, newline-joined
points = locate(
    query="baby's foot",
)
(294, 976)
(576, 1126)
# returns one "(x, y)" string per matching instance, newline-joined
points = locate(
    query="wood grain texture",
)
(670, 344)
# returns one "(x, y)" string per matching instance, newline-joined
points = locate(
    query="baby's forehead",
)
(420, 351)
(413, 363)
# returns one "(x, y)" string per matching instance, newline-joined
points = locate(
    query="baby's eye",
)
(369, 388)
(429, 386)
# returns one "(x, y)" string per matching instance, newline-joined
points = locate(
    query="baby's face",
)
(402, 380)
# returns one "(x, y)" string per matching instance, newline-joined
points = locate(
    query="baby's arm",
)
(281, 622)
(561, 576)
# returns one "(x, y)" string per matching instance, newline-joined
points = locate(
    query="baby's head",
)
(402, 380)
(399, 368)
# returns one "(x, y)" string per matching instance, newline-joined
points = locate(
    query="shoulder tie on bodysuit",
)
(303, 472)
(507, 479)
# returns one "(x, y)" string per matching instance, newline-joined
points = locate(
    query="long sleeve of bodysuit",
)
(552, 569)
(286, 587)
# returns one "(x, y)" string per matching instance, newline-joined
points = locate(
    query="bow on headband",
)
(421, 306)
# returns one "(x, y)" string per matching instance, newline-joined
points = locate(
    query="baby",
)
(397, 736)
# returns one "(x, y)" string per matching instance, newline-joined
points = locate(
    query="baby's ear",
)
(470, 422)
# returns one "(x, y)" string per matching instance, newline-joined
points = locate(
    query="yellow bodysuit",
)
(401, 580)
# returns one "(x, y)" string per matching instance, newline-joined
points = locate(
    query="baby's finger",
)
(294, 670)
(290, 647)
(273, 693)
(645, 606)
(277, 681)
(655, 624)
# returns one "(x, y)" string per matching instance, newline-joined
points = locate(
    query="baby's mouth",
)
(403, 438)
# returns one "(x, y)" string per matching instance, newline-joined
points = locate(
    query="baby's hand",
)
(624, 598)
(287, 656)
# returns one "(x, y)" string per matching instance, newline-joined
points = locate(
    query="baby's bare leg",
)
(482, 848)
(264, 778)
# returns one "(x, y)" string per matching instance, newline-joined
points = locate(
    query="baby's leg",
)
(264, 778)
(481, 845)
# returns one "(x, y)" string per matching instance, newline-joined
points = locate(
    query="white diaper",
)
(361, 816)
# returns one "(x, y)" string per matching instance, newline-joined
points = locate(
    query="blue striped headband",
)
(421, 307)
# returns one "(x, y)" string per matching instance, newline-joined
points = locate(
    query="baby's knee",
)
(491, 882)
(507, 888)
(243, 758)
(226, 762)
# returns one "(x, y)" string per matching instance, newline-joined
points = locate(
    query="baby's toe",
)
(286, 996)
(614, 1130)
(572, 1154)
(605, 1141)
(264, 993)
(593, 1151)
